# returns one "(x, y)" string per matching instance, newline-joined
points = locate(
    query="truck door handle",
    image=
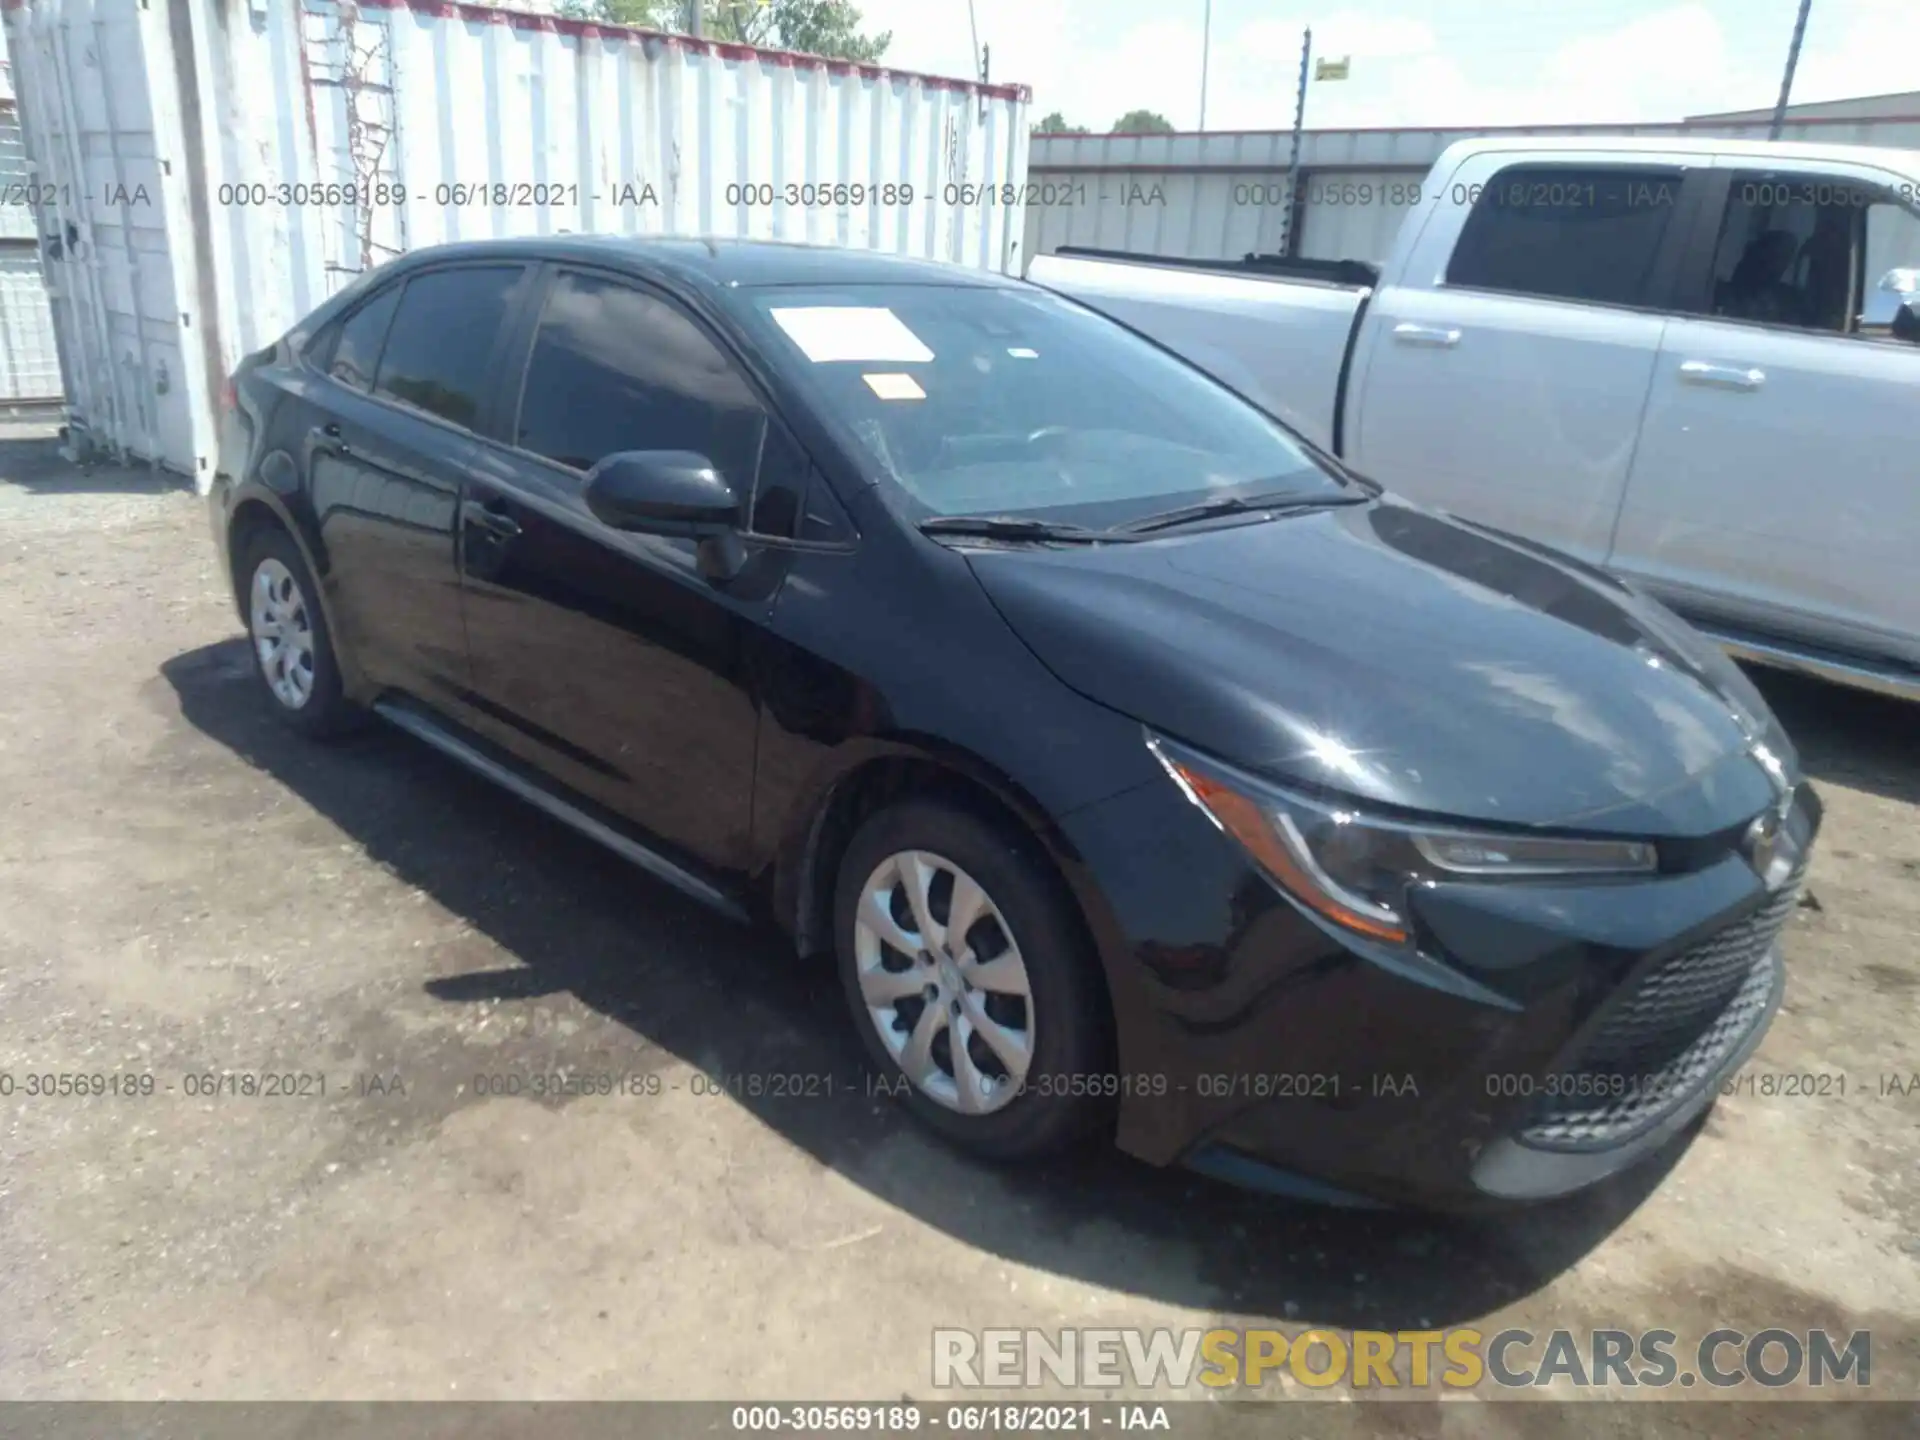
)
(328, 440)
(1722, 377)
(1440, 338)
(497, 523)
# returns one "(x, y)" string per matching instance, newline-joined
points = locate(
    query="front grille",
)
(1664, 1035)
(1661, 1013)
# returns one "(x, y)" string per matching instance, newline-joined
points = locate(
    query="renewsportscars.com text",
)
(1460, 1358)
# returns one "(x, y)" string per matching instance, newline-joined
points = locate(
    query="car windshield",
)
(979, 400)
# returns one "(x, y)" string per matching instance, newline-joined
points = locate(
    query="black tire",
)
(324, 713)
(1070, 1018)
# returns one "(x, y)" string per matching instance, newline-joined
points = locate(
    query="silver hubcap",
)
(282, 634)
(944, 983)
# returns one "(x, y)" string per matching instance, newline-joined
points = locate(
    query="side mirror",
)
(1906, 320)
(661, 492)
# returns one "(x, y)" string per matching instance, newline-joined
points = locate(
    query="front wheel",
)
(971, 981)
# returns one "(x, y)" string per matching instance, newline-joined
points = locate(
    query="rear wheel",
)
(970, 980)
(292, 649)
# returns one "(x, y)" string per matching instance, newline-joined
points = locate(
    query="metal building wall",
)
(1221, 194)
(228, 166)
(29, 360)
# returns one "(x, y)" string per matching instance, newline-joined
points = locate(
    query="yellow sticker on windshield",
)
(895, 387)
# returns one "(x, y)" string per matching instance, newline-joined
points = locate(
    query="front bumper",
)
(1571, 1031)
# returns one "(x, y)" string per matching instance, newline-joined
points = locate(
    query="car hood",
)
(1398, 655)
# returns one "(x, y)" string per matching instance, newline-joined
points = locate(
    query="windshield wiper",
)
(1015, 527)
(1292, 502)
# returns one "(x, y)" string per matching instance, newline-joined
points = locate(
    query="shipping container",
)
(212, 171)
(1221, 194)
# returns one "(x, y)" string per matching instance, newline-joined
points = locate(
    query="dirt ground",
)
(187, 890)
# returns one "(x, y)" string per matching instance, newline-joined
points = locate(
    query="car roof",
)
(722, 264)
(1775, 152)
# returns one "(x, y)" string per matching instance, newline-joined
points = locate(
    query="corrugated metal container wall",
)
(230, 166)
(1201, 215)
(1355, 214)
(1221, 194)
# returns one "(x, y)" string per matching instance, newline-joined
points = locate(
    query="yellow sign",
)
(1332, 69)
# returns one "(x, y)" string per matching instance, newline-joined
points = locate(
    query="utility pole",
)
(696, 18)
(1293, 159)
(982, 55)
(1206, 51)
(1793, 61)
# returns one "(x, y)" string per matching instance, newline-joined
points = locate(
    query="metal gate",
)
(29, 358)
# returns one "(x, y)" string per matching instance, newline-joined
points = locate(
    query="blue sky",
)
(1442, 62)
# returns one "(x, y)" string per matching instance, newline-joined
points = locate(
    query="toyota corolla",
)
(1144, 771)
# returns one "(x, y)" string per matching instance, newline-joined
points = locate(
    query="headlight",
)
(1355, 870)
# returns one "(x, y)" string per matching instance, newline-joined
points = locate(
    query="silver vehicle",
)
(1664, 358)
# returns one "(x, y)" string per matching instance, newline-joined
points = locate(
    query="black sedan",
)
(1144, 771)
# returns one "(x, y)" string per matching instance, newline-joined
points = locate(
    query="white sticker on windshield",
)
(895, 387)
(1021, 352)
(871, 334)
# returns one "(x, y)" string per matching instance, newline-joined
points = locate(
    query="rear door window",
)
(1813, 252)
(356, 344)
(442, 339)
(1568, 232)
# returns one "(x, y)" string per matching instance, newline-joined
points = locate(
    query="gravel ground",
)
(186, 890)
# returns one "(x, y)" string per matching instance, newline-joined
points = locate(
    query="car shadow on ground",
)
(736, 1001)
(1849, 737)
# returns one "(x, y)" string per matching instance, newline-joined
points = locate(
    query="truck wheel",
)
(970, 980)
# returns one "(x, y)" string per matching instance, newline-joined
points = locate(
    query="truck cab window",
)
(1568, 232)
(1810, 252)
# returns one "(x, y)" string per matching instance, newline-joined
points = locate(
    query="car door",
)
(1777, 483)
(618, 662)
(387, 443)
(1506, 370)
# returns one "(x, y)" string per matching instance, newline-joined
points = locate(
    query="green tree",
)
(647, 14)
(1055, 123)
(812, 27)
(1142, 122)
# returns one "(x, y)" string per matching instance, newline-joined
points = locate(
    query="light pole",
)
(1206, 49)
(1793, 61)
(1293, 157)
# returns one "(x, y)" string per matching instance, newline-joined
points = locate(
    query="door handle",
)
(1437, 336)
(1722, 377)
(328, 440)
(497, 523)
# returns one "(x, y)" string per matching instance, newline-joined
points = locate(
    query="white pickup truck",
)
(1658, 356)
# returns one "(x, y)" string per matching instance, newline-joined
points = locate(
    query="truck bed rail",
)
(1356, 273)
